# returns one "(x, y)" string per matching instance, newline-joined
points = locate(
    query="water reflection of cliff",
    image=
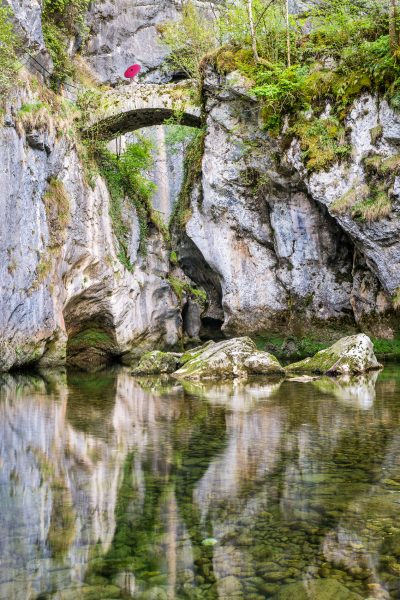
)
(109, 485)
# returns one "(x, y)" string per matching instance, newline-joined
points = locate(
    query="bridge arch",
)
(135, 106)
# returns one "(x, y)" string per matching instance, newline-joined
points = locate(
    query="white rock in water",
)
(237, 357)
(352, 354)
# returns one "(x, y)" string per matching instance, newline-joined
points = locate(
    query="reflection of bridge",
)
(135, 106)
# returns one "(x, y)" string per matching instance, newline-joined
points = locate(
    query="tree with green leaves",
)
(189, 39)
(393, 26)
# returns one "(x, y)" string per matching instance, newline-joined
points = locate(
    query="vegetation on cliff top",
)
(298, 64)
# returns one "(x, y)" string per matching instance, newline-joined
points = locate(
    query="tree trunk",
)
(288, 34)
(393, 33)
(252, 30)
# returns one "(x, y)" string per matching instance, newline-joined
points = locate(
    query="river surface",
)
(114, 487)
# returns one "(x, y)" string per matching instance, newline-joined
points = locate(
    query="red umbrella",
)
(132, 71)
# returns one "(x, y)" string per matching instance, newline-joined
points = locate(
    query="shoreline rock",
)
(157, 363)
(229, 359)
(353, 354)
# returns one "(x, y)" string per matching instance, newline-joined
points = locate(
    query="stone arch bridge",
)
(134, 106)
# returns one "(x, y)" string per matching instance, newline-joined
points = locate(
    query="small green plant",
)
(182, 287)
(281, 90)
(355, 195)
(34, 115)
(61, 21)
(322, 142)
(375, 207)
(191, 172)
(9, 44)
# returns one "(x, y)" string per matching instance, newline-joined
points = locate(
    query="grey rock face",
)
(283, 256)
(377, 240)
(125, 32)
(27, 17)
(276, 251)
(59, 282)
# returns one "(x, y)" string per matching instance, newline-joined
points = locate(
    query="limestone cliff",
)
(285, 258)
(60, 276)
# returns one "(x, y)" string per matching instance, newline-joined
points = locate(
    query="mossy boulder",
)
(350, 355)
(323, 589)
(156, 363)
(237, 357)
(195, 352)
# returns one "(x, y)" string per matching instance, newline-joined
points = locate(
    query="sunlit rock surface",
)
(279, 257)
(284, 257)
(350, 355)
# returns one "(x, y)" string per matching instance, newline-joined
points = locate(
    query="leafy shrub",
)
(181, 287)
(61, 21)
(188, 40)
(126, 179)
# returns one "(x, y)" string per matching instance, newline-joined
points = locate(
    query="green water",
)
(112, 487)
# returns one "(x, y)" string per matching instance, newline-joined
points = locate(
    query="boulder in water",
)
(156, 363)
(350, 355)
(237, 357)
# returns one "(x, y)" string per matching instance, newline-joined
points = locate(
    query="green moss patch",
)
(156, 362)
(354, 196)
(180, 288)
(91, 338)
(322, 142)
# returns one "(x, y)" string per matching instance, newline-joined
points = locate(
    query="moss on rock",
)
(228, 359)
(352, 354)
(156, 362)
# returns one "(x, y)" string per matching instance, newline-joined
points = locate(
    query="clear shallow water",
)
(115, 488)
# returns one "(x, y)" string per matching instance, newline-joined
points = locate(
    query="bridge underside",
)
(116, 125)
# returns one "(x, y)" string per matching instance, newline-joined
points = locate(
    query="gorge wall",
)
(276, 235)
(272, 244)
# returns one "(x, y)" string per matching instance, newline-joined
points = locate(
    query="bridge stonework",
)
(134, 106)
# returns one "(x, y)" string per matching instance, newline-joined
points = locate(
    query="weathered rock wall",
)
(284, 260)
(378, 240)
(125, 32)
(59, 271)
